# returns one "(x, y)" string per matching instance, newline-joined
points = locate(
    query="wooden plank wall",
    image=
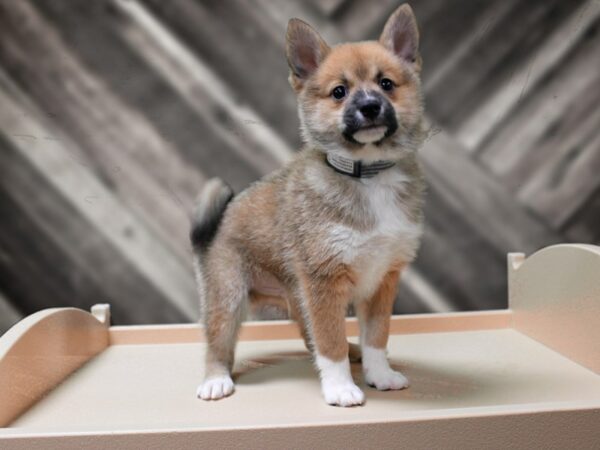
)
(8, 314)
(114, 112)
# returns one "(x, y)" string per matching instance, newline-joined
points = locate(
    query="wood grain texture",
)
(52, 261)
(584, 226)
(55, 158)
(506, 99)
(506, 44)
(127, 153)
(141, 101)
(9, 315)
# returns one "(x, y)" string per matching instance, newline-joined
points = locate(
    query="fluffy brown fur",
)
(313, 238)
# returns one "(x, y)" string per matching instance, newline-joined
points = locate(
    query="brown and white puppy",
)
(336, 225)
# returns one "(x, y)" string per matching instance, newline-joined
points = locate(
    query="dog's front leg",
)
(374, 318)
(326, 301)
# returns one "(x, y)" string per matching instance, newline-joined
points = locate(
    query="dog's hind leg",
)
(354, 352)
(225, 300)
(296, 314)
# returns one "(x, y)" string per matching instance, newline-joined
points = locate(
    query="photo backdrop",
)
(114, 113)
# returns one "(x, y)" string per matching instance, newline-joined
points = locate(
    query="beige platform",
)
(527, 377)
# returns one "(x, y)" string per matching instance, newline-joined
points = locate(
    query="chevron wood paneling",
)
(114, 112)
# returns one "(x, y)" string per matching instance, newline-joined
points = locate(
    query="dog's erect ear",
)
(305, 50)
(401, 35)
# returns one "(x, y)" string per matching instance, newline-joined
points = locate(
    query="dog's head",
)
(362, 97)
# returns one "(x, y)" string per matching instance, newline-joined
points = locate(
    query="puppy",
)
(336, 225)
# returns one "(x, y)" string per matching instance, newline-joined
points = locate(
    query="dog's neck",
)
(356, 168)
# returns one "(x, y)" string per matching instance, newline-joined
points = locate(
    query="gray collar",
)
(356, 169)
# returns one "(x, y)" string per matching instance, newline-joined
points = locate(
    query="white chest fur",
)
(392, 238)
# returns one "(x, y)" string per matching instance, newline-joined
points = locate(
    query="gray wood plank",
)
(497, 105)
(328, 7)
(584, 225)
(523, 143)
(547, 152)
(457, 259)
(124, 149)
(240, 128)
(416, 295)
(56, 158)
(9, 315)
(243, 53)
(451, 34)
(120, 54)
(480, 200)
(569, 177)
(360, 20)
(52, 256)
(508, 44)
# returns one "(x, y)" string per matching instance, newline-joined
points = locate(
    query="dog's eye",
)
(386, 84)
(338, 92)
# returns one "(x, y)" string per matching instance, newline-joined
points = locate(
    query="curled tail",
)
(211, 205)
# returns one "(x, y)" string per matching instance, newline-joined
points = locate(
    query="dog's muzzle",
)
(369, 117)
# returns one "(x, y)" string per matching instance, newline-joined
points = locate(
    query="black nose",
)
(371, 109)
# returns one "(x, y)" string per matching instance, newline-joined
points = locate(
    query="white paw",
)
(385, 380)
(215, 388)
(347, 394)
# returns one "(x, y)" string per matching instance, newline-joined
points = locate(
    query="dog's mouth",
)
(370, 134)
